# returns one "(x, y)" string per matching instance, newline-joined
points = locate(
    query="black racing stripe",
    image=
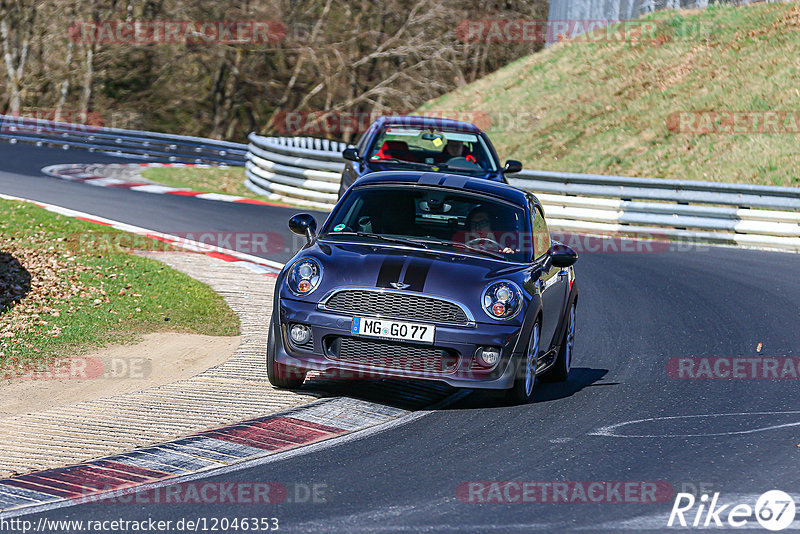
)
(416, 273)
(390, 271)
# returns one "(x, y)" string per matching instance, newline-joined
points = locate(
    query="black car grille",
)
(397, 306)
(393, 356)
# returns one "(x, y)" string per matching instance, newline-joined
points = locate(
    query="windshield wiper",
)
(399, 240)
(464, 246)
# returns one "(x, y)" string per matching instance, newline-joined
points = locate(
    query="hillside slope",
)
(621, 107)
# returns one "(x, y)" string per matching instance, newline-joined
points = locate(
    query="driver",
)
(479, 223)
(456, 149)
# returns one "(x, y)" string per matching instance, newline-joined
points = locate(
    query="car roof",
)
(427, 122)
(451, 181)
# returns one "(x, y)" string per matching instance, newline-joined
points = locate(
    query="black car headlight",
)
(502, 300)
(304, 277)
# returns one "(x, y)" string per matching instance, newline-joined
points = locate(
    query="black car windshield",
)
(459, 152)
(432, 218)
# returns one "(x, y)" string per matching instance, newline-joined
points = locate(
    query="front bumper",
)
(387, 358)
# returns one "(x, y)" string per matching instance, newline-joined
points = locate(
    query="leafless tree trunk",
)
(16, 30)
(64, 89)
(225, 91)
(88, 79)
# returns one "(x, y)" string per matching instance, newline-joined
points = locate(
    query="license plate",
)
(365, 326)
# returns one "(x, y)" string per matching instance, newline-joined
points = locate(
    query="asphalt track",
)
(637, 311)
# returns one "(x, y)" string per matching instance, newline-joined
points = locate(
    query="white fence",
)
(307, 171)
(295, 169)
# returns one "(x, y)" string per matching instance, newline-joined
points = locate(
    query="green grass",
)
(609, 107)
(89, 290)
(226, 180)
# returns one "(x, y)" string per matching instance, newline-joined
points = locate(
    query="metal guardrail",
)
(120, 142)
(295, 169)
(307, 171)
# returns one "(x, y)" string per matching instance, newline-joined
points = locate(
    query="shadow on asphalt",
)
(399, 393)
(579, 378)
(421, 394)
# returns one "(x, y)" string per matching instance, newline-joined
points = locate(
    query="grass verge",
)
(611, 107)
(67, 286)
(225, 180)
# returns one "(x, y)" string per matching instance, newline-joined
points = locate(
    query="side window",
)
(361, 145)
(541, 236)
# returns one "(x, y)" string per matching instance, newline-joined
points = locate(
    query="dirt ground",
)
(160, 358)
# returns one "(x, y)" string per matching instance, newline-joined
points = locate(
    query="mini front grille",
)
(389, 355)
(397, 306)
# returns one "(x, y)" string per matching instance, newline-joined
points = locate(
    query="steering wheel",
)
(482, 242)
(460, 161)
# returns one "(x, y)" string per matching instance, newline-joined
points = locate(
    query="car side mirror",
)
(562, 256)
(350, 154)
(512, 166)
(304, 224)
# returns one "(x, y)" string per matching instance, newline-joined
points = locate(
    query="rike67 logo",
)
(774, 510)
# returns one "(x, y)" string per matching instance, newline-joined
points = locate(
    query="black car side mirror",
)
(350, 154)
(562, 256)
(512, 166)
(304, 224)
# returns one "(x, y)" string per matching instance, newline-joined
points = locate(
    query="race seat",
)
(394, 149)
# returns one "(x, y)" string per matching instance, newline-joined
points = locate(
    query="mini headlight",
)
(304, 277)
(502, 300)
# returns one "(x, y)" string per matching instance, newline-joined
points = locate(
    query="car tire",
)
(280, 375)
(559, 372)
(525, 381)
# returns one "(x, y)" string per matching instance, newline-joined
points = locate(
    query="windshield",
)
(432, 218)
(462, 152)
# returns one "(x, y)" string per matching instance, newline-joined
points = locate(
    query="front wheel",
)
(279, 375)
(560, 369)
(522, 390)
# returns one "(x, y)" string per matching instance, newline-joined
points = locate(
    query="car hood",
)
(454, 276)
(377, 166)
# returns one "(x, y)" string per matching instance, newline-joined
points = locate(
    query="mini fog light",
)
(488, 356)
(300, 334)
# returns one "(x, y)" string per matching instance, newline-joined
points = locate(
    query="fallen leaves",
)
(33, 280)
